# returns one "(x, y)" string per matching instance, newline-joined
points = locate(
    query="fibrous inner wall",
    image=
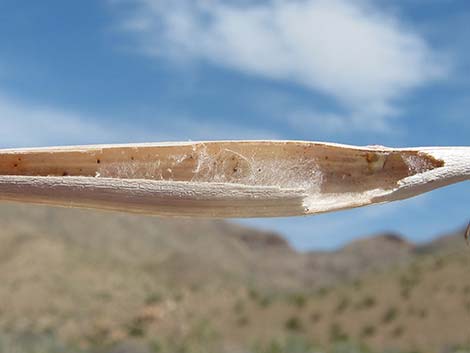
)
(325, 175)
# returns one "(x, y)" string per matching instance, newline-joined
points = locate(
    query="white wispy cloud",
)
(351, 50)
(24, 124)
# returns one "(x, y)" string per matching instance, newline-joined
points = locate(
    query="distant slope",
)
(179, 251)
(94, 278)
(185, 252)
(370, 254)
(445, 244)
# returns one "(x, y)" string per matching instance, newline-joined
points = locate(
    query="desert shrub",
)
(294, 323)
(264, 301)
(357, 284)
(153, 298)
(322, 292)
(439, 263)
(405, 293)
(366, 303)
(297, 299)
(315, 317)
(422, 313)
(407, 283)
(253, 294)
(336, 333)
(195, 287)
(368, 330)
(261, 299)
(342, 305)
(136, 328)
(202, 332)
(242, 321)
(239, 306)
(390, 315)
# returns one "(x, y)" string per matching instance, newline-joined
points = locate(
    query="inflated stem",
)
(226, 178)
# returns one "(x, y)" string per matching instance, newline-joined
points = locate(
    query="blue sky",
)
(350, 71)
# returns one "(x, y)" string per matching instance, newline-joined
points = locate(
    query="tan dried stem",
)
(226, 178)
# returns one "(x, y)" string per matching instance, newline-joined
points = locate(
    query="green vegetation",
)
(298, 300)
(368, 330)
(293, 344)
(153, 298)
(323, 292)
(343, 304)
(337, 334)
(315, 317)
(294, 323)
(262, 299)
(366, 303)
(136, 328)
(390, 315)
(35, 344)
(265, 301)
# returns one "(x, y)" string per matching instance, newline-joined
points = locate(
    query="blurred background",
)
(389, 278)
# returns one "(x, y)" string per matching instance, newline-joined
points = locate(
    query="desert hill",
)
(95, 281)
